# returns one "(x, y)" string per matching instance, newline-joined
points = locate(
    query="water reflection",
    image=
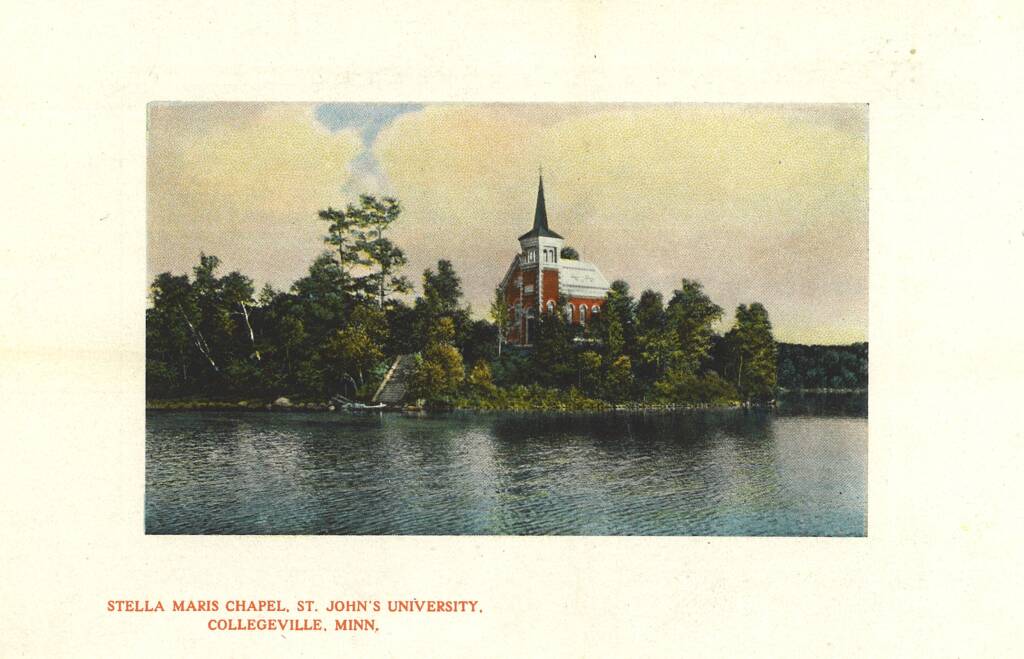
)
(696, 473)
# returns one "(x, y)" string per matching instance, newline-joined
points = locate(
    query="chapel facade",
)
(538, 276)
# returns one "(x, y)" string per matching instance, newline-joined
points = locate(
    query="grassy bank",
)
(511, 399)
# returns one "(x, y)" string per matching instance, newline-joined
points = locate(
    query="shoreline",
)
(184, 405)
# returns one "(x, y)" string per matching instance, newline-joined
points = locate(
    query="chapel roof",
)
(540, 217)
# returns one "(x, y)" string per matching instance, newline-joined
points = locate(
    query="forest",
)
(336, 330)
(818, 368)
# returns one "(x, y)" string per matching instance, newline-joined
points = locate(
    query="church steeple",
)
(540, 216)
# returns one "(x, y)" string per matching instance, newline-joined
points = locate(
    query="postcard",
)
(510, 330)
(344, 340)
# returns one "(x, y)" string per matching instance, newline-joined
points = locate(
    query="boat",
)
(348, 405)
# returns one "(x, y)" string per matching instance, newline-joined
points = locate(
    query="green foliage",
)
(751, 353)
(311, 377)
(479, 342)
(368, 261)
(692, 315)
(480, 379)
(678, 386)
(656, 341)
(442, 298)
(528, 398)
(351, 351)
(442, 290)
(162, 381)
(514, 366)
(439, 370)
(618, 383)
(619, 306)
(441, 331)
(803, 367)
(569, 253)
(338, 328)
(553, 352)
(322, 299)
(615, 337)
(500, 317)
(590, 372)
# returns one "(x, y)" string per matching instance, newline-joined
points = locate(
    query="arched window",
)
(571, 309)
(551, 306)
(595, 309)
(583, 314)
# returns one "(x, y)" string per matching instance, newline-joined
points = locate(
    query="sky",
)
(760, 203)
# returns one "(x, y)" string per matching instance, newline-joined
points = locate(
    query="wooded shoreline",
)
(212, 342)
(322, 406)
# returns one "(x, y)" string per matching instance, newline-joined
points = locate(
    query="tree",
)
(343, 235)
(323, 297)
(615, 337)
(590, 371)
(292, 334)
(752, 352)
(499, 315)
(477, 341)
(439, 369)
(403, 335)
(619, 306)
(170, 337)
(619, 379)
(238, 290)
(678, 385)
(441, 332)
(656, 341)
(480, 378)
(175, 301)
(442, 298)
(357, 235)
(373, 217)
(214, 325)
(569, 253)
(442, 291)
(553, 355)
(693, 315)
(357, 347)
(351, 350)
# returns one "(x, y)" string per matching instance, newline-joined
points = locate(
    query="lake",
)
(799, 470)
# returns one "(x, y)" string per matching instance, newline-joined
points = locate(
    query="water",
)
(800, 470)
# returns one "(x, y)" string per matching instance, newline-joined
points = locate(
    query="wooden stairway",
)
(392, 389)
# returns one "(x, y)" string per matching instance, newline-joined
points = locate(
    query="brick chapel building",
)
(539, 275)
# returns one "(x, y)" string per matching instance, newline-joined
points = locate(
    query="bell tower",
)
(541, 248)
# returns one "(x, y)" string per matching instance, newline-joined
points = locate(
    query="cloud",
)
(765, 203)
(244, 182)
(761, 203)
(367, 119)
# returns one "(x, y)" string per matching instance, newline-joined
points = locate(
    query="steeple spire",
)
(540, 215)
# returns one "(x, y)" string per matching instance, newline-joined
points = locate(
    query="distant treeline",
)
(822, 367)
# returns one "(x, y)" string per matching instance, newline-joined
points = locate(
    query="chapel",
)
(539, 275)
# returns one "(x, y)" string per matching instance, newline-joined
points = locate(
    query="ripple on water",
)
(697, 474)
